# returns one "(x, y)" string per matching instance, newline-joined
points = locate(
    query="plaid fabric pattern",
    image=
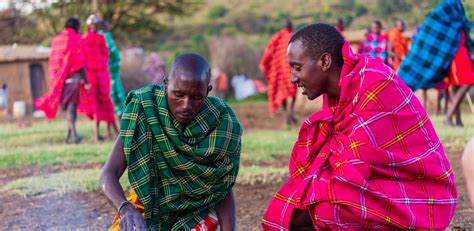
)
(373, 161)
(376, 46)
(98, 104)
(179, 172)
(65, 58)
(116, 89)
(275, 67)
(436, 43)
(209, 223)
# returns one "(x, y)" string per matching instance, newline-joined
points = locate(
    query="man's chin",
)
(312, 97)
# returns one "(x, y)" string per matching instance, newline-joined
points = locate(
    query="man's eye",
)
(178, 94)
(197, 97)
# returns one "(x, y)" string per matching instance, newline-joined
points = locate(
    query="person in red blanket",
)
(98, 104)
(66, 70)
(371, 159)
(274, 65)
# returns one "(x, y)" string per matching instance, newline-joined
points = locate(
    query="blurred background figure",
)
(442, 48)
(275, 67)
(66, 69)
(154, 68)
(116, 89)
(376, 44)
(397, 44)
(340, 26)
(360, 47)
(98, 105)
(220, 83)
(4, 100)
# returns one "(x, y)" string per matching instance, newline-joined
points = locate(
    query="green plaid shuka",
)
(179, 172)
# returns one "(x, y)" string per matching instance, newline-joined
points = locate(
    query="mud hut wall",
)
(17, 77)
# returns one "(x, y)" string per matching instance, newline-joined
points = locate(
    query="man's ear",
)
(209, 89)
(325, 61)
(165, 83)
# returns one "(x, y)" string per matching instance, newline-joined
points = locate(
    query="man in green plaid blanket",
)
(182, 152)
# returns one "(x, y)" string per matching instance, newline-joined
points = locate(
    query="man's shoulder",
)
(148, 89)
(219, 104)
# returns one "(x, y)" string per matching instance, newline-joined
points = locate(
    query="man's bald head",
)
(187, 86)
(190, 67)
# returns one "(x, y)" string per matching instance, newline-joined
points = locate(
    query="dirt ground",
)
(92, 211)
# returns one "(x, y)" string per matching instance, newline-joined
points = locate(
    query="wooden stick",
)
(468, 96)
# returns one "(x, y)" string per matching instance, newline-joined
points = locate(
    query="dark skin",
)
(316, 76)
(186, 93)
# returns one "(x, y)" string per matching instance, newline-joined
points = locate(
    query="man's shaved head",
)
(187, 86)
(190, 66)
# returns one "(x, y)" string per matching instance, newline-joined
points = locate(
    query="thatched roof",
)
(16, 53)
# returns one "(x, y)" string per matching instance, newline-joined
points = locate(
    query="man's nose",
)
(294, 78)
(187, 103)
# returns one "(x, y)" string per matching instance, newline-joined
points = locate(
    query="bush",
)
(360, 10)
(388, 7)
(234, 56)
(249, 22)
(218, 11)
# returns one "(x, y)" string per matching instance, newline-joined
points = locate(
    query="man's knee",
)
(301, 220)
(468, 168)
(72, 111)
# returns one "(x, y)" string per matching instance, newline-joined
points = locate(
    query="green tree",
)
(218, 11)
(127, 18)
(388, 7)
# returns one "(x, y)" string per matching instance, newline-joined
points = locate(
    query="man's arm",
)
(110, 185)
(226, 213)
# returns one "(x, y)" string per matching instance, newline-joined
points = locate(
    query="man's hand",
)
(87, 86)
(130, 218)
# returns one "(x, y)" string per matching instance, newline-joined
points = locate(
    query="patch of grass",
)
(261, 175)
(54, 154)
(69, 181)
(264, 144)
(257, 98)
(42, 144)
(454, 138)
(87, 180)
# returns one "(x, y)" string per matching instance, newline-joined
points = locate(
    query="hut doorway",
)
(37, 81)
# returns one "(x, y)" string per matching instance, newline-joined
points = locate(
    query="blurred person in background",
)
(66, 70)
(116, 89)
(275, 67)
(98, 104)
(376, 43)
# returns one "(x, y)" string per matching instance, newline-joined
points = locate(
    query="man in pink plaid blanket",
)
(371, 158)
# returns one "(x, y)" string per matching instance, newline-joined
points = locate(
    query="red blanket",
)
(275, 67)
(372, 161)
(65, 58)
(97, 104)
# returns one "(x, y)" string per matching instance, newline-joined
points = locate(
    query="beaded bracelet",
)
(121, 207)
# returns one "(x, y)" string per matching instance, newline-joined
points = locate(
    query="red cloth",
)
(373, 161)
(222, 82)
(461, 68)
(65, 58)
(275, 67)
(399, 46)
(97, 104)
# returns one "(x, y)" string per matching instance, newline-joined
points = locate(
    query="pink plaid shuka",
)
(373, 161)
(65, 58)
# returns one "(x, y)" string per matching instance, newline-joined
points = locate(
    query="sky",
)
(25, 7)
